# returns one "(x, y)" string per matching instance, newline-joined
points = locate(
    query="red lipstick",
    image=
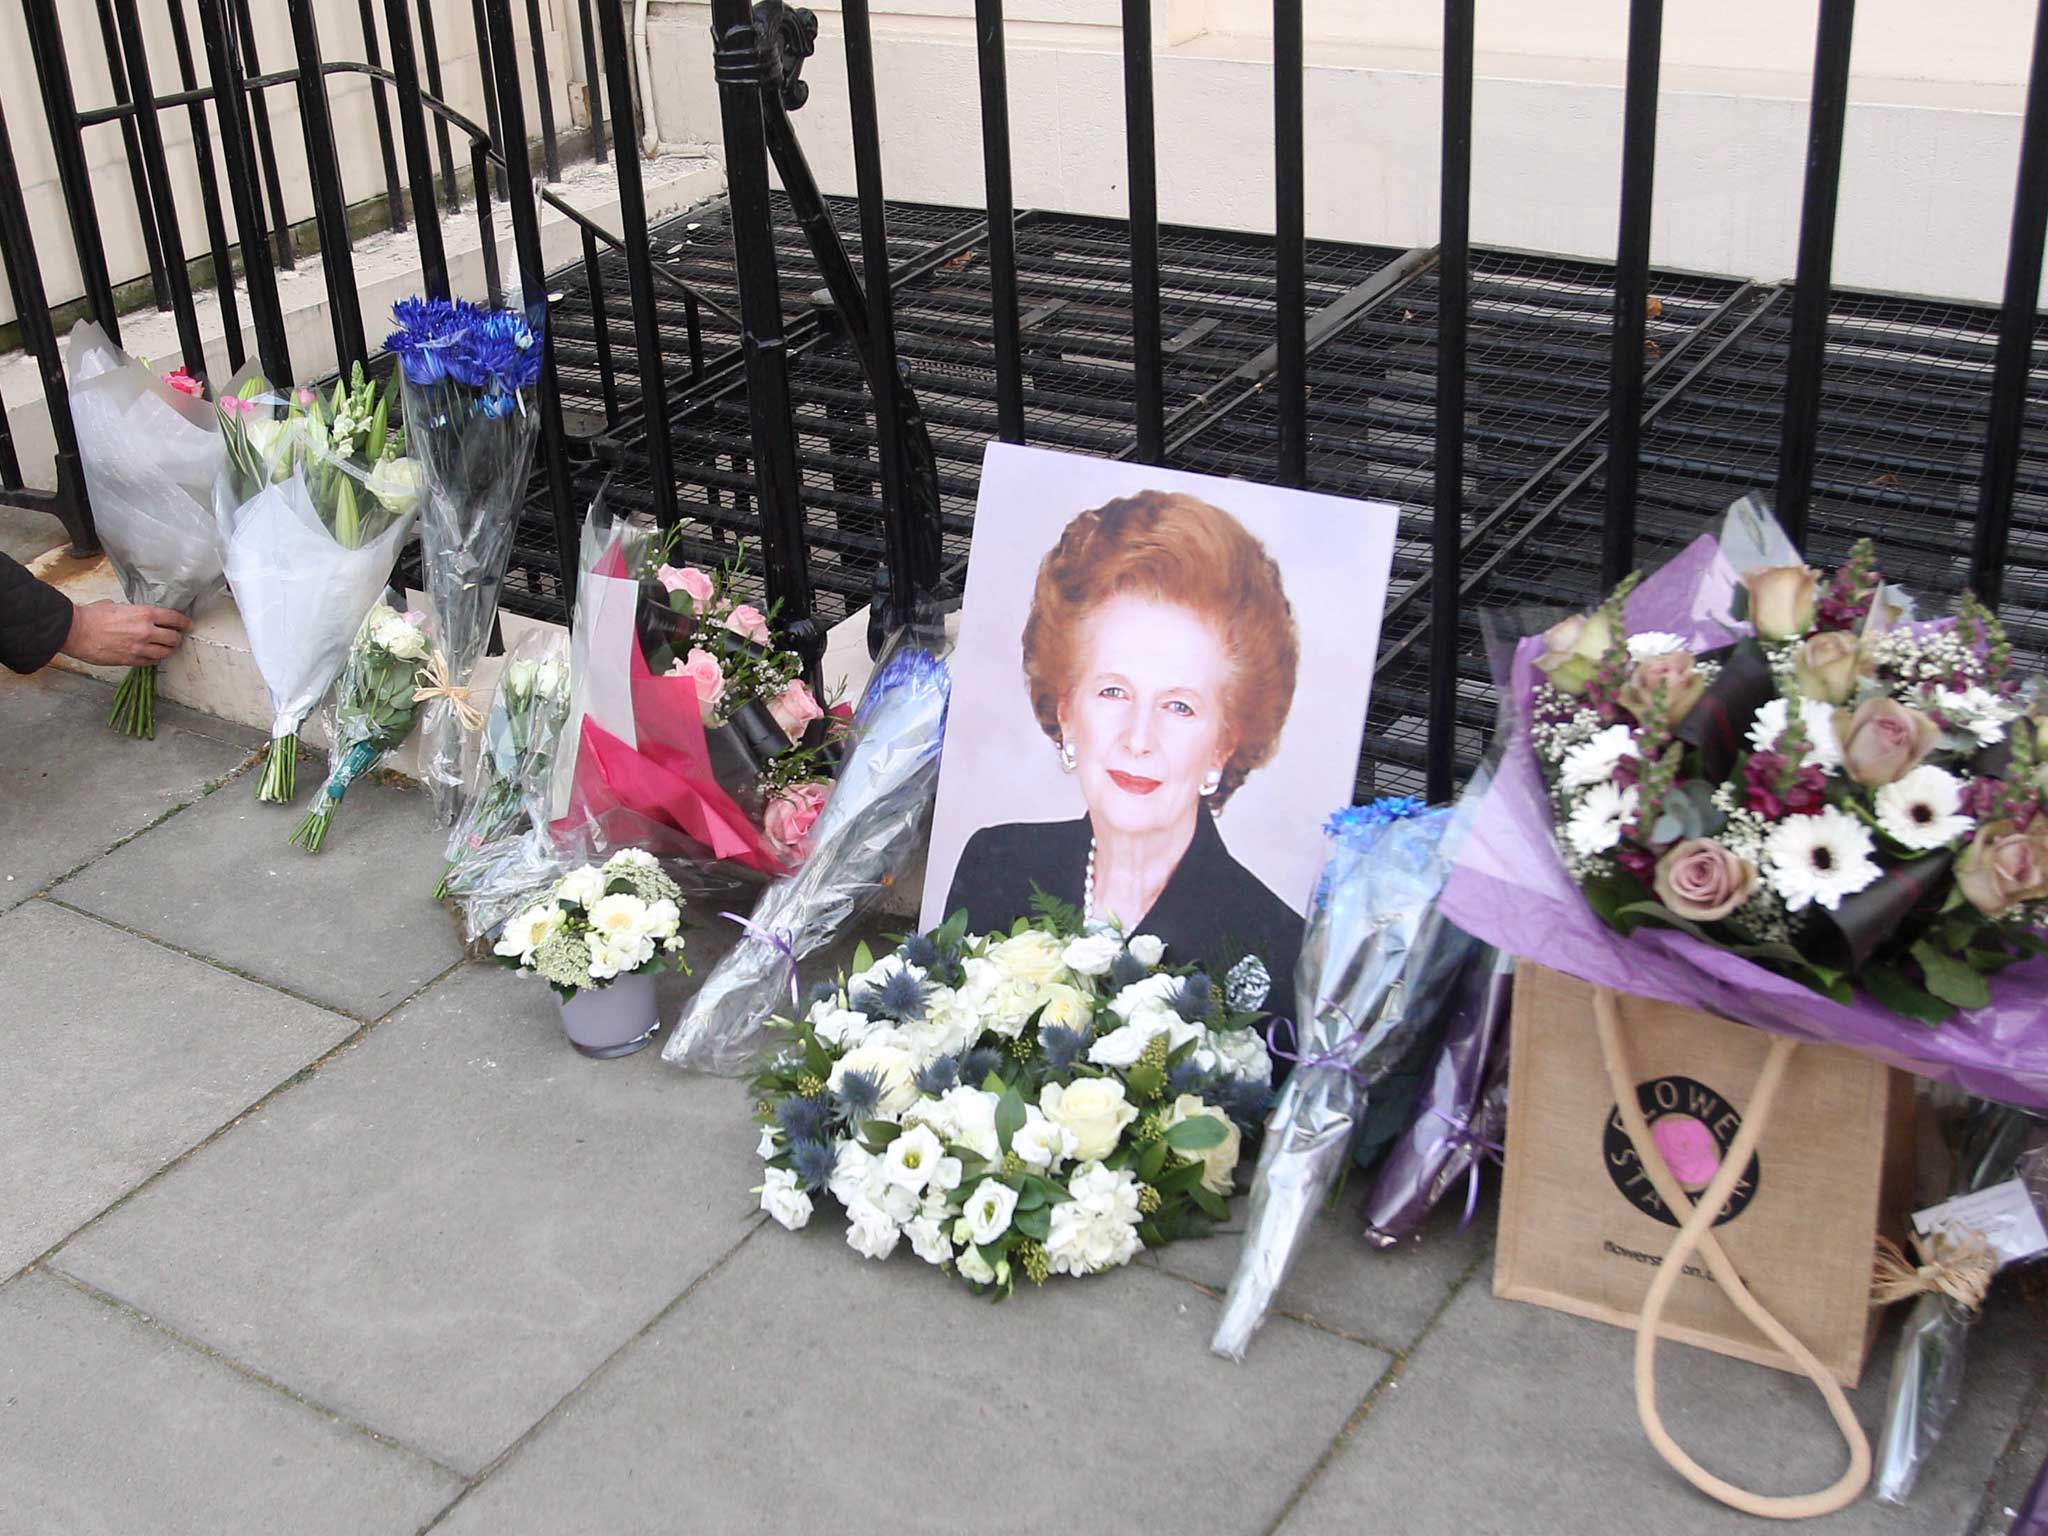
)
(1133, 784)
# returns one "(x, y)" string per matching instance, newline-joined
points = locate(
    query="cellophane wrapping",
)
(1994, 1143)
(871, 830)
(1378, 961)
(508, 786)
(374, 707)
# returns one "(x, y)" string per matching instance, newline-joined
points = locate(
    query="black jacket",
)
(35, 618)
(1212, 911)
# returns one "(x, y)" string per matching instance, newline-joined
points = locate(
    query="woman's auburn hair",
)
(1179, 550)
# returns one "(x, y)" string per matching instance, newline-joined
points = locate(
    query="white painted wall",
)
(1932, 136)
(355, 123)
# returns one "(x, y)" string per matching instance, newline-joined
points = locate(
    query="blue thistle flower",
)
(814, 1162)
(1187, 1078)
(1193, 1000)
(806, 1118)
(976, 1065)
(901, 996)
(939, 1076)
(920, 951)
(1244, 1102)
(858, 1096)
(820, 992)
(1062, 1046)
(1127, 969)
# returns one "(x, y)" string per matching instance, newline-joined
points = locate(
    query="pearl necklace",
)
(1088, 887)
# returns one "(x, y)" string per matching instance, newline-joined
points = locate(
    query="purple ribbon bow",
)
(776, 941)
(1462, 1135)
(1333, 1057)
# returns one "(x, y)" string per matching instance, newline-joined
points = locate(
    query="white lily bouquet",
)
(1050, 1102)
(600, 924)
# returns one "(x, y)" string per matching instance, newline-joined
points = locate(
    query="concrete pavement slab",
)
(70, 788)
(110, 1427)
(1340, 1281)
(449, 1225)
(136, 1054)
(1513, 1420)
(353, 927)
(802, 1388)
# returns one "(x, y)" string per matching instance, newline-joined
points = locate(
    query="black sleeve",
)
(35, 618)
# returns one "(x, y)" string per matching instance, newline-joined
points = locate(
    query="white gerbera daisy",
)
(1819, 858)
(1924, 809)
(1653, 642)
(1593, 762)
(1823, 745)
(1597, 824)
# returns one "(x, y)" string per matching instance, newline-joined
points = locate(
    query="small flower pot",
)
(612, 1021)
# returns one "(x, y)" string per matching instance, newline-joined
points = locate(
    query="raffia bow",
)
(440, 684)
(1958, 1268)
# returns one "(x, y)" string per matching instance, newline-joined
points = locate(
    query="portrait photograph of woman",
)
(1161, 687)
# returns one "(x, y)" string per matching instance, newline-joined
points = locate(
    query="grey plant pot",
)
(612, 1021)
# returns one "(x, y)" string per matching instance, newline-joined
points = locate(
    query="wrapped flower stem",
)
(374, 708)
(1376, 969)
(871, 828)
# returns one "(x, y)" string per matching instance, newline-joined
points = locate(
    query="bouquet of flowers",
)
(1049, 1102)
(871, 829)
(509, 792)
(1779, 800)
(465, 373)
(313, 502)
(600, 924)
(694, 733)
(150, 449)
(1378, 967)
(374, 706)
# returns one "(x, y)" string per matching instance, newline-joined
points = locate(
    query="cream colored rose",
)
(1826, 667)
(891, 1066)
(2004, 867)
(1033, 957)
(1782, 599)
(1094, 1109)
(1674, 676)
(1573, 649)
(1219, 1163)
(1065, 1006)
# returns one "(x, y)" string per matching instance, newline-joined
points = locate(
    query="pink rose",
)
(1675, 675)
(792, 814)
(1703, 882)
(184, 383)
(794, 708)
(749, 623)
(702, 668)
(2004, 867)
(1884, 741)
(687, 579)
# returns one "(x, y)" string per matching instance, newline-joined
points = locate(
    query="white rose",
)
(883, 969)
(1242, 1054)
(1041, 1142)
(982, 977)
(947, 1028)
(838, 1026)
(1094, 1109)
(912, 1158)
(1219, 1163)
(781, 1199)
(398, 483)
(1032, 957)
(974, 1267)
(581, 887)
(1092, 954)
(891, 1066)
(769, 1146)
(518, 682)
(1153, 991)
(856, 1175)
(550, 680)
(988, 1210)
(1147, 950)
(529, 930)
(971, 1113)
(630, 858)
(1122, 1046)
(869, 1231)
(1064, 1006)
(664, 917)
(928, 1240)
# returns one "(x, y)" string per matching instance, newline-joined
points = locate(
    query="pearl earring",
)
(1067, 758)
(1213, 782)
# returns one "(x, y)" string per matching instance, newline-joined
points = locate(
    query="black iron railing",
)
(1544, 423)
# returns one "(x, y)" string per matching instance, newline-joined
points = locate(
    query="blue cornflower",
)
(858, 1096)
(1127, 969)
(1193, 999)
(1188, 1077)
(804, 1118)
(1354, 819)
(498, 355)
(1062, 1046)
(976, 1065)
(813, 1162)
(939, 1076)
(427, 334)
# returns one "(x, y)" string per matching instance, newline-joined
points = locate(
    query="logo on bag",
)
(1693, 1128)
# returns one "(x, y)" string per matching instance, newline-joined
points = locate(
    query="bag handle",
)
(1696, 1233)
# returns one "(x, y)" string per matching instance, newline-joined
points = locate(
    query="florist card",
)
(1160, 690)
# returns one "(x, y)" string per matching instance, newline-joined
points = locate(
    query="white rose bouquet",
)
(1046, 1103)
(600, 924)
(509, 787)
(313, 501)
(374, 707)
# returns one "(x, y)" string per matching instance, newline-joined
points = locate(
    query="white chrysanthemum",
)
(1593, 762)
(1098, 1228)
(1823, 744)
(1653, 642)
(1977, 710)
(581, 887)
(1924, 809)
(1597, 824)
(1819, 858)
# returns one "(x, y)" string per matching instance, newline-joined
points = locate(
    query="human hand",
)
(111, 634)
